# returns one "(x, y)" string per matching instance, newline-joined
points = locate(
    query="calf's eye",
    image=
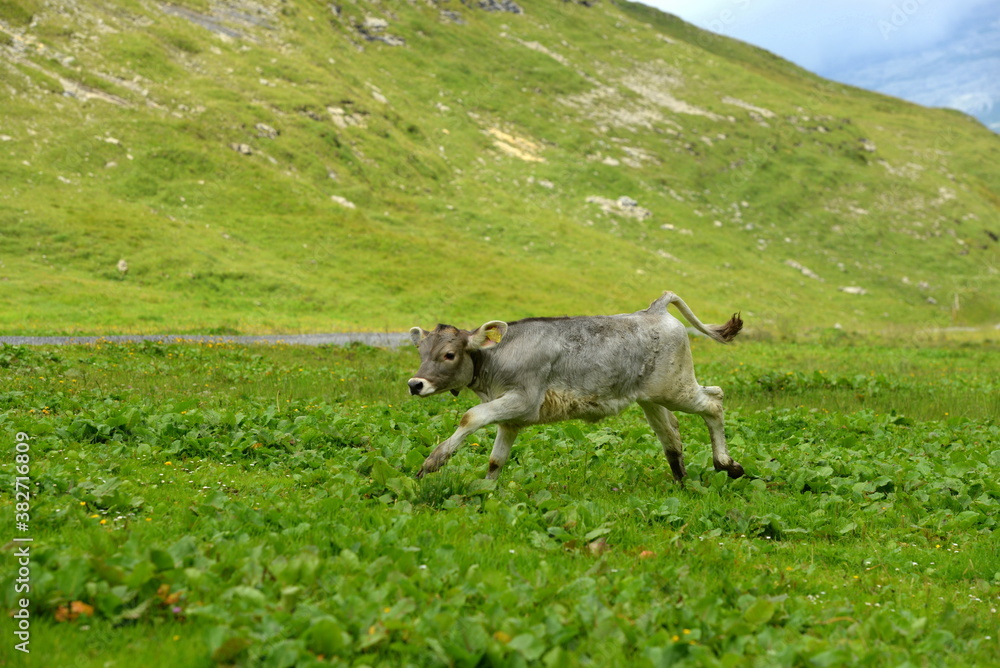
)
(449, 356)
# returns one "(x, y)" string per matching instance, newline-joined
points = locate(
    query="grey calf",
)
(543, 370)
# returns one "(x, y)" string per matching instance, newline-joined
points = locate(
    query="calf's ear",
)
(487, 335)
(418, 334)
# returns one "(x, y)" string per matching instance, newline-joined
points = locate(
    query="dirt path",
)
(379, 339)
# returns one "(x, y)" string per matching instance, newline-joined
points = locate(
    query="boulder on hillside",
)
(508, 6)
(373, 29)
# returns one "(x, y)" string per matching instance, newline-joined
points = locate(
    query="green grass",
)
(217, 504)
(445, 223)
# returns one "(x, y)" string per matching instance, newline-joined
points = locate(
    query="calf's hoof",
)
(733, 469)
(494, 471)
(431, 464)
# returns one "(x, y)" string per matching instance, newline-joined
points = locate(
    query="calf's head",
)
(446, 356)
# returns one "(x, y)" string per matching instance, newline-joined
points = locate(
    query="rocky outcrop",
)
(495, 6)
(373, 29)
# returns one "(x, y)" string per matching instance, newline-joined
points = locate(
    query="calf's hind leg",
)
(664, 425)
(711, 411)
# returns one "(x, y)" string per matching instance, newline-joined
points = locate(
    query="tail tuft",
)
(729, 331)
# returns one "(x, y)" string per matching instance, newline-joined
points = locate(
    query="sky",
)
(821, 35)
(934, 52)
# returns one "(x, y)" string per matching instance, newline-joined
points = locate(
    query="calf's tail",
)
(721, 333)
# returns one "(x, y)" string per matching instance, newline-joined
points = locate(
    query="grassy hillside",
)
(278, 167)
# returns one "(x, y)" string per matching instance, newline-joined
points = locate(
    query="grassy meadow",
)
(280, 173)
(212, 504)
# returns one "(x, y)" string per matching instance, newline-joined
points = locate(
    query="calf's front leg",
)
(501, 449)
(508, 407)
